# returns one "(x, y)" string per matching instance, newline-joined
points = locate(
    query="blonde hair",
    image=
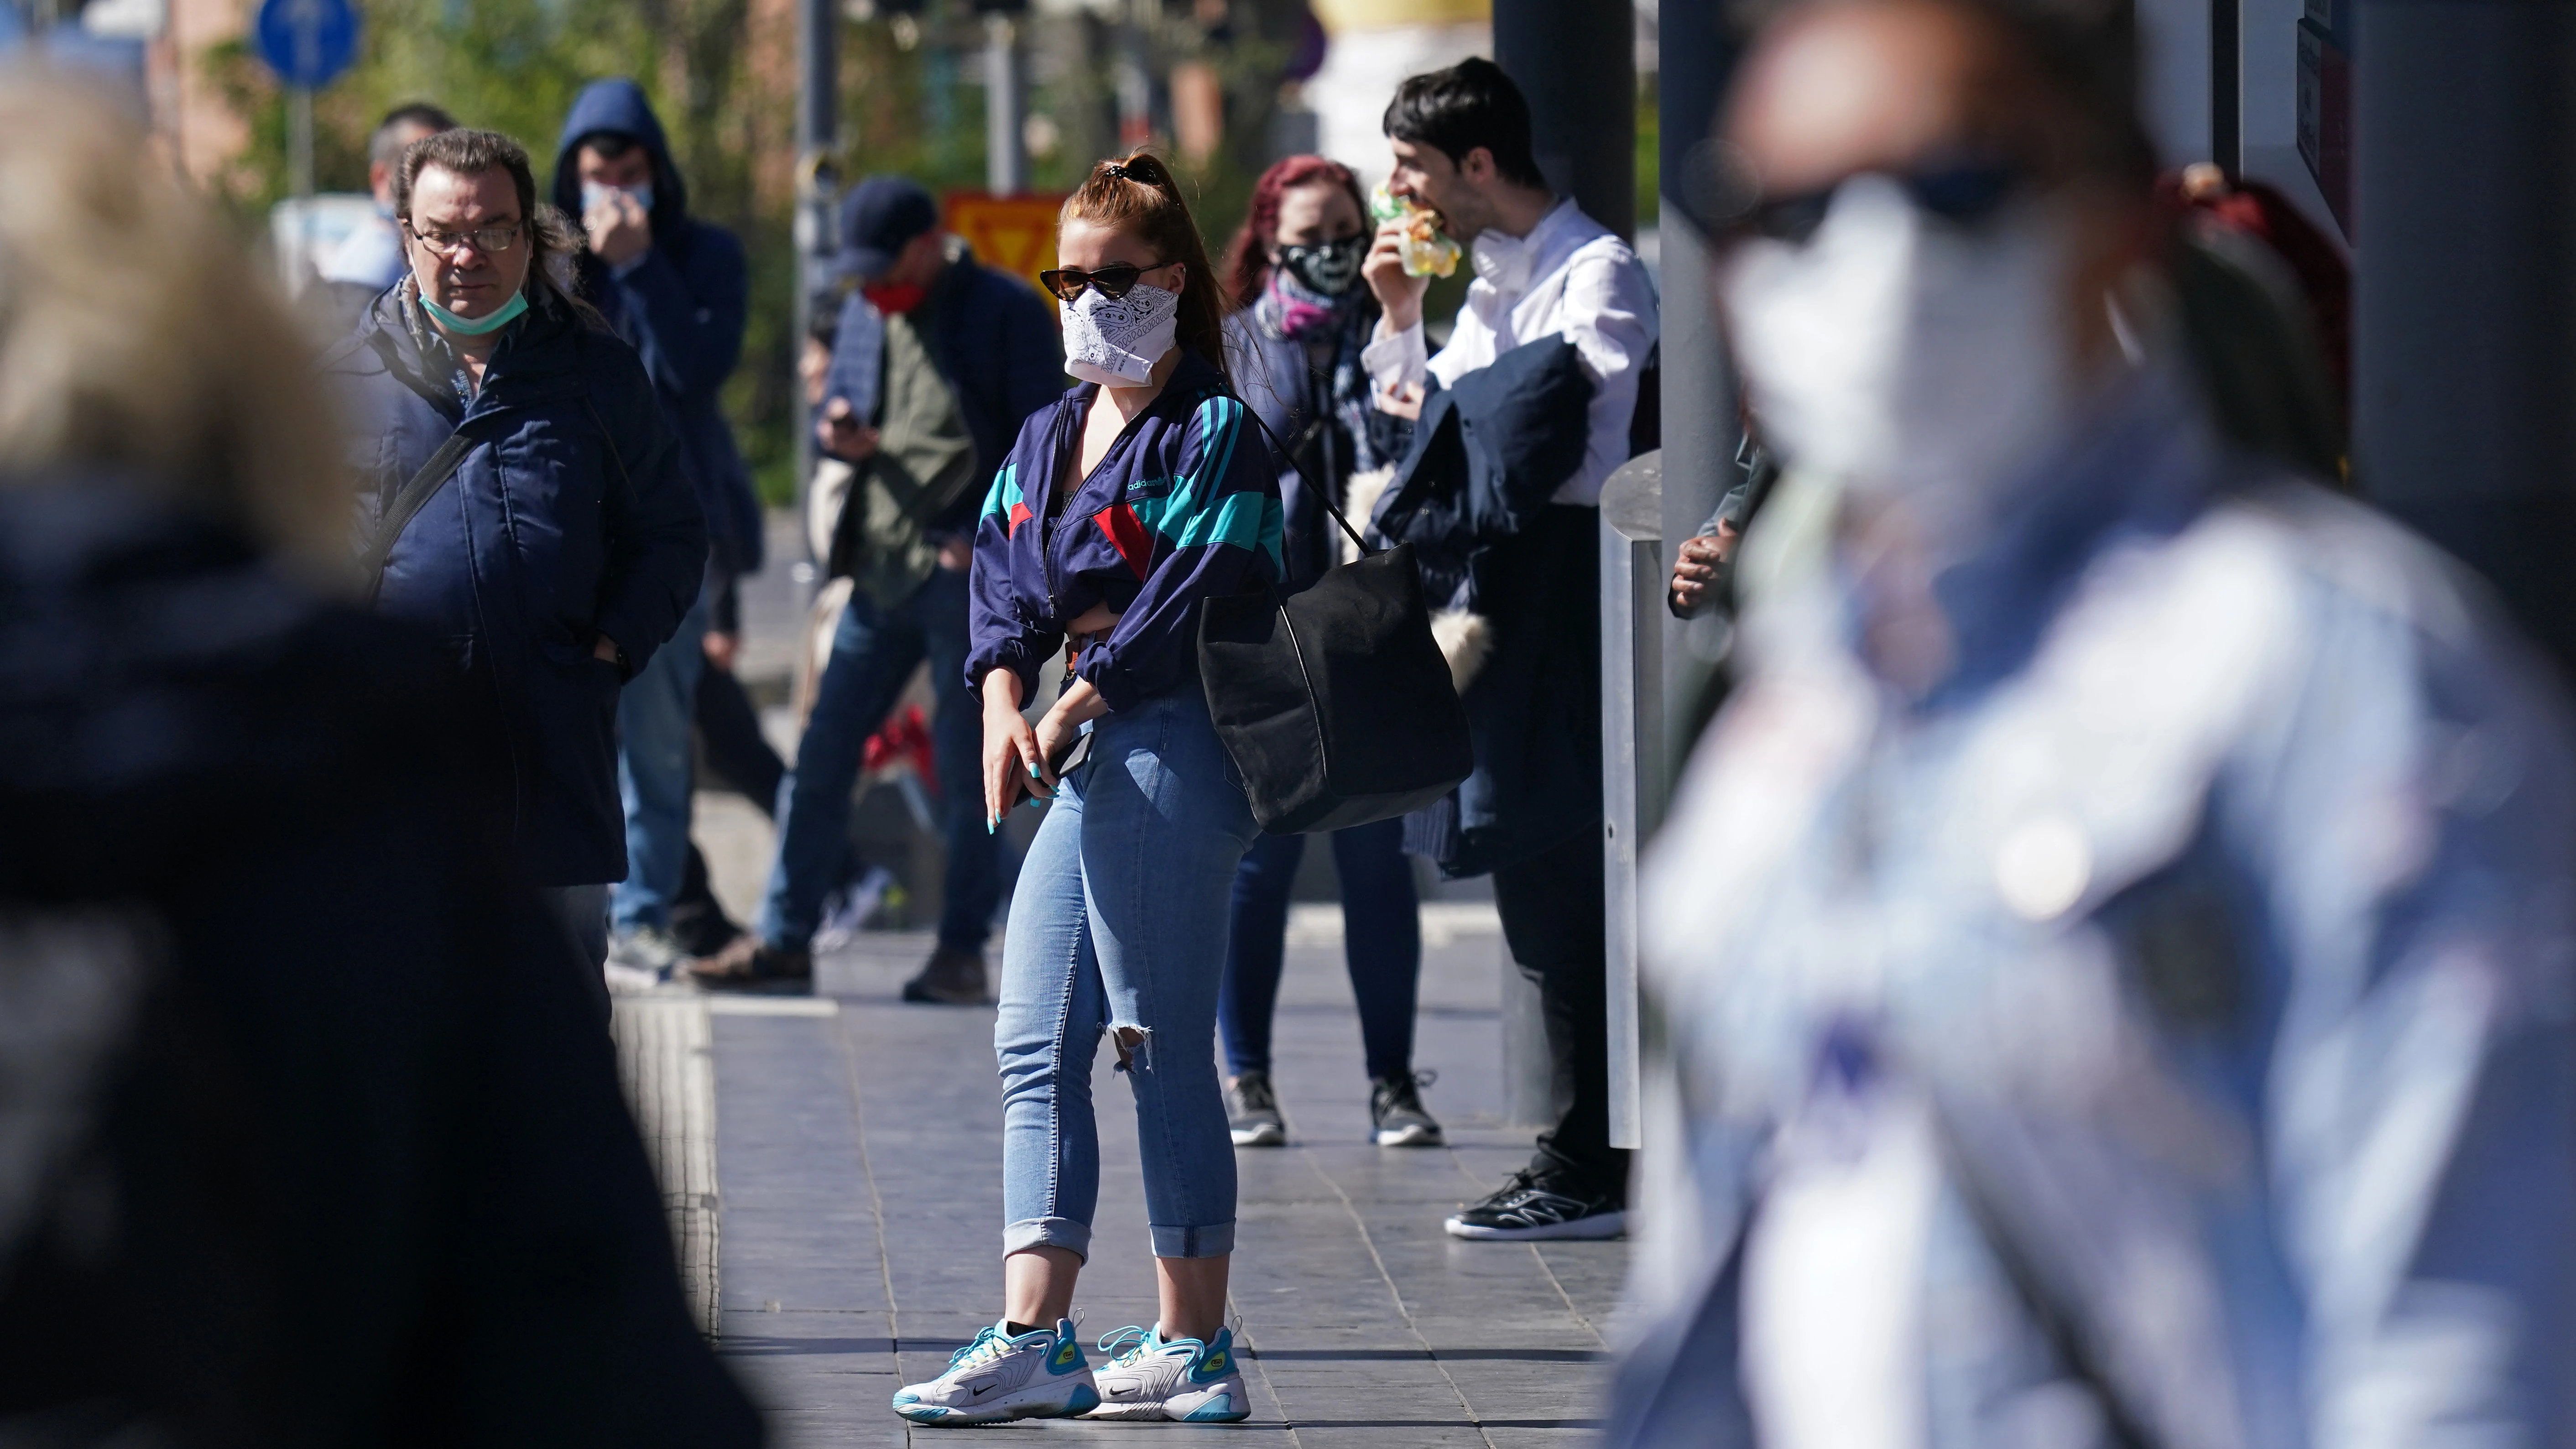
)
(137, 336)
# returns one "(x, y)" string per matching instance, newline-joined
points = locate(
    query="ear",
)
(1477, 166)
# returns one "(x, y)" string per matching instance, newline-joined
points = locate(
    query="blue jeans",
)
(1381, 944)
(873, 653)
(1119, 921)
(654, 714)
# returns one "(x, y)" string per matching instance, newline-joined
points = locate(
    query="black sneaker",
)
(1395, 1111)
(1542, 1205)
(1255, 1121)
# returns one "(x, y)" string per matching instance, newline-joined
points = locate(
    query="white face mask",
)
(1909, 358)
(1117, 343)
(593, 193)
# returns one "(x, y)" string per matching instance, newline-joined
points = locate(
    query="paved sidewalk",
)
(859, 1161)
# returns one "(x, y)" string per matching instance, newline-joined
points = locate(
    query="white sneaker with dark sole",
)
(997, 1378)
(1180, 1379)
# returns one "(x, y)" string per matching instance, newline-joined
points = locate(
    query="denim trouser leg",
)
(1254, 948)
(654, 713)
(873, 653)
(1158, 824)
(1381, 940)
(973, 884)
(1045, 1035)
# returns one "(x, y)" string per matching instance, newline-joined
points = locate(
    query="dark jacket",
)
(1288, 392)
(570, 519)
(994, 339)
(1472, 497)
(328, 1146)
(1185, 505)
(682, 308)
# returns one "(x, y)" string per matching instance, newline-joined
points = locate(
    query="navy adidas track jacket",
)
(1185, 506)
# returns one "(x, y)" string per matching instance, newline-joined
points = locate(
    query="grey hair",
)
(386, 147)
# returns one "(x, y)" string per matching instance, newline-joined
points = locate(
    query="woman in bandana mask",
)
(1294, 349)
(1137, 495)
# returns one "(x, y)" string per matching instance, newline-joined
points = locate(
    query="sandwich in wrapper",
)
(1427, 252)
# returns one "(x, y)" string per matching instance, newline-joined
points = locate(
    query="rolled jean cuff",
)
(1213, 1241)
(1062, 1233)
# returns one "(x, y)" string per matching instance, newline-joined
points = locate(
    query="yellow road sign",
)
(1014, 233)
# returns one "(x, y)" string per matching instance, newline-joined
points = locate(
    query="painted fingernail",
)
(1033, 773)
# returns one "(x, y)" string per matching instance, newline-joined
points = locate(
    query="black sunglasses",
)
(1114, 281)
(1964, 195)
(1293, 253)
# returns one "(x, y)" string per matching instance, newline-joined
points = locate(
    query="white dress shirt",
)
(1570, 275)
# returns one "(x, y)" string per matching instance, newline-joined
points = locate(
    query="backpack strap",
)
(407, 504)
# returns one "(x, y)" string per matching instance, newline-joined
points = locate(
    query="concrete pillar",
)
(2464, 387)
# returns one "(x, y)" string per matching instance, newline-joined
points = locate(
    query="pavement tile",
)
(859, 1169)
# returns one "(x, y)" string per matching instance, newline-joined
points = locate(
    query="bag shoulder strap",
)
(407, 504)
(1320, 491)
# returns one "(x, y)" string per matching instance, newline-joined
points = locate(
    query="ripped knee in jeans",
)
(1131, 1047)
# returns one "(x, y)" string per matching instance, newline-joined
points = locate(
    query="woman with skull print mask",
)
(1134, 497)
(1294, 349)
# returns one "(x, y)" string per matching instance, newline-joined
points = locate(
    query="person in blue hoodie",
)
(521, 497)
(675, 288)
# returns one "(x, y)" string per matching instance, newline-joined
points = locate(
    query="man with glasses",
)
(937, 361)
(520, 496)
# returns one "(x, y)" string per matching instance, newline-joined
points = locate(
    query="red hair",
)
(1247, 260)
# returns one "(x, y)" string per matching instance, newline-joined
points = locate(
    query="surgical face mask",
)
(1116, 343)
(592, 194)
(1907, 357)
(1329, 268)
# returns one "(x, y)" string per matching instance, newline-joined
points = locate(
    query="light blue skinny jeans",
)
(1119, 920)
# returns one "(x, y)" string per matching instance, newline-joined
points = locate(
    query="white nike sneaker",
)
(1171, 1378)
(1038, 1375)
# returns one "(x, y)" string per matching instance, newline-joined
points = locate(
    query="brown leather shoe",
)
(950, 978)
(747, 965)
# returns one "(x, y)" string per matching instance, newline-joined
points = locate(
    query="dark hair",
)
(1470, 104)
(552, 241)
(609, 144)
(383, 150)
(1247, 260)
(1136, 194)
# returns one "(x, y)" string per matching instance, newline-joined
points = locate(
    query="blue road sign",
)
(307, 42)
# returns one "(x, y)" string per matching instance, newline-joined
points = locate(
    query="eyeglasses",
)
(1966, 196)
(1114, 281)
(489, 240)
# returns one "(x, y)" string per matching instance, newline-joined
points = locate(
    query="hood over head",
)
(618, 104)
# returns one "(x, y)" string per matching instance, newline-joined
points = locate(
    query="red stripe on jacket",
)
(1127, 535)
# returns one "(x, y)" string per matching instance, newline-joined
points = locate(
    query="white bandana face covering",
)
(1905, 356)
(1116, 343)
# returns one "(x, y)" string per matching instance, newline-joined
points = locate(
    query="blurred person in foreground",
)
(1293, 345)
(936, 362)
(309, 1134)
(1546, 354)
(370, 258)
(2113, 947)
(522, 497)
(675, 288)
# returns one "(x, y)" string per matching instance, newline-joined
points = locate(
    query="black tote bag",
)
(1334, 703)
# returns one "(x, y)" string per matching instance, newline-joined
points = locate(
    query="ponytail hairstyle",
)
(1137, 195)
(1247, 261)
